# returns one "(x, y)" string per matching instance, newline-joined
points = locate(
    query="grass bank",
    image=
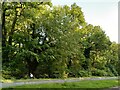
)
(82, 84)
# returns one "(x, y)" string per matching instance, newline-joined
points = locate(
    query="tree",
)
(17, 26)
(94, 42)
(53, 42)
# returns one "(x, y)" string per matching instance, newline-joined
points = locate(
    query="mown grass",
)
(94, 84)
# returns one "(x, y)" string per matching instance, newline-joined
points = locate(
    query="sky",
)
(98, 12)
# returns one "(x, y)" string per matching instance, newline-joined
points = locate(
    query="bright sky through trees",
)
(98, 12)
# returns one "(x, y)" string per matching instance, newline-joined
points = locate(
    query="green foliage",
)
(97, 72)
(6, 74)
(83, 73)
(109, 72)
(53, 42)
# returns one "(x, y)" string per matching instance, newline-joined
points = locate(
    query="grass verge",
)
(82, 84)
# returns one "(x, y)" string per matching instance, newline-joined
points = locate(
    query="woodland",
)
(54, 42)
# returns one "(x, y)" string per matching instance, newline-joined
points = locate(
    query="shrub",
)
(112, 69)
(98, 72)
(83, 73)
(6, 74)
(109, 73)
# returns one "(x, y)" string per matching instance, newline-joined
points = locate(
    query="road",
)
(114, 88)
(5, 85)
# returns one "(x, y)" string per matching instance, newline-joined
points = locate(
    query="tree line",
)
(53, 42)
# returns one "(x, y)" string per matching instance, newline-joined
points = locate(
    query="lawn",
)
(82, 84)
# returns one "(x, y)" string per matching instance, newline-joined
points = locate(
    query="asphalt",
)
(113, 88)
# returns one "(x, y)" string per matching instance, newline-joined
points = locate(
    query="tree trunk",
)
(32, 66)
(4, 32)
(12, 28)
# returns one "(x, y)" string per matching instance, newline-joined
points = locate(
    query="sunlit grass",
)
(81, 84)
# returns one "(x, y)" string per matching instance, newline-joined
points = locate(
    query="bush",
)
(109, 73)
(114, 71)
(111, 69)
(83, 73)
(98, 72)
(6, 74)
